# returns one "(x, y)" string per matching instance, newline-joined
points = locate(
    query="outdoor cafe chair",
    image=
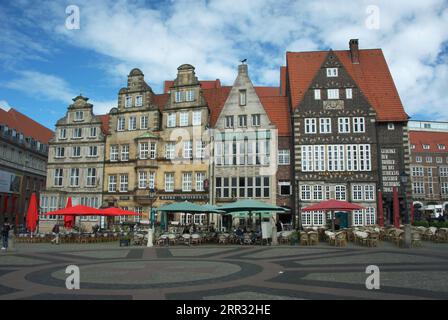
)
(247, 239)
(372, 239)
(331, 237)
(186, 238)
(172, 238)
(340, 239)
(222, 239)
(441, 235)
(304, 240)
(313, 238)
(195, 238)
(162, 240)
(416, 239)
(361, 237)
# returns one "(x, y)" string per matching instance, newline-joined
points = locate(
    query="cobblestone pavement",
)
(37, 271)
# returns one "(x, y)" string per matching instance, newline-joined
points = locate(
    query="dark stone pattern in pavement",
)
(135, 254)
(225, 272)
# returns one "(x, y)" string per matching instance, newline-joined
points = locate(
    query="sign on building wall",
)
(390, 169)
(9, 182)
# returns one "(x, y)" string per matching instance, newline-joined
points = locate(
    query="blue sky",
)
(43, 64)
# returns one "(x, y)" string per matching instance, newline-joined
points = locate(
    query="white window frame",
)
(143, 150)
(121, 124)
(187, 181)
(256, 120)
(74, 177)
(128, 101)
(124, 182)
(332, 94)
(188, 149)
(200, 149)
(170, 150)
(139, 101)
(324, 125)
(197, 118)
(144, 121)
(359, 125)
(169, 181)
(125, 152)
(114, 150)
(58, 177)
(153, 150)
(132, 123)
(183, 119)
(200, 177)
(310, 125)
(317, 94)
(332, 72)
(178, 96)
(348, 93)
(190, 96)
(142, 179)
(344, 125)
(91, 177)
(112, 183)
(171, 120)
(284, 157)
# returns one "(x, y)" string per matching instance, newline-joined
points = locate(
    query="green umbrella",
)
(186, 206)
(251, 206)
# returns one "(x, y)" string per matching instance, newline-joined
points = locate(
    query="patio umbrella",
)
(69, 221)
(115, 212)
(250, 206)
(32, 214)
(380, 209)
(187, 207)
(78, 210)
(396, 208)
(333, 205)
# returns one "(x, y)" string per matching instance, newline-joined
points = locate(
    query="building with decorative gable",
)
(75, 164)
(350, 132)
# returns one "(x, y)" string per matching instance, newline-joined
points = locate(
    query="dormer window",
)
(63, 133)
(441, 146)
(426, 146)
(332, 72)
(316, 94)
(178, 96)
(138, 101)
(242, 97)
(390, 126)
(412, 146)
(190, 95)
(128, 102)
(79, 116)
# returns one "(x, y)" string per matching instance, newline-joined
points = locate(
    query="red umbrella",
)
(78, 210)
(69, 221)
(396, 208)
(330, 205)
(115, 212)
(32, 214)
(380, 209)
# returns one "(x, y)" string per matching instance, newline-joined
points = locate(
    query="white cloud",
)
(5, 105)
(53, 88)
(214, 35)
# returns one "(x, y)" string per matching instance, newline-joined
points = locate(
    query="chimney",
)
(354, 52)
(242, 68)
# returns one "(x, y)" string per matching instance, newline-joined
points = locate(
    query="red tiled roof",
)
(205, 84)
(433, 139)
(104, 123)
(371, 74)
(25, 125)
(160, 100)
(277, 109)
(215, 99)
(267, 91)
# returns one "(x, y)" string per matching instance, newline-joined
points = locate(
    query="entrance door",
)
(343, 219)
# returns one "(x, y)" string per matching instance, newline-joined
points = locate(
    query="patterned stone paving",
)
(37, 271)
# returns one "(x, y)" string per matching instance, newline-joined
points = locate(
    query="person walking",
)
(5, 234)
(56, 234)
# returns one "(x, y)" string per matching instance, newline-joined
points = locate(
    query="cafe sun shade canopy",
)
(78, 210)
(333, 205)
(186, 206)
(251, 206)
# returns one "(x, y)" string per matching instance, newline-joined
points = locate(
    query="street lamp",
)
(407, 227)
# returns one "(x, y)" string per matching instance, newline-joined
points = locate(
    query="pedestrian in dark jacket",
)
(5, 234)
